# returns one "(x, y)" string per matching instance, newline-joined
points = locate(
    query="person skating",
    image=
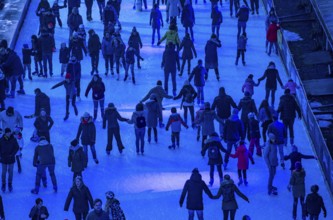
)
(211, 56)
(249, 85)
(265, 116)
(254, 134)
(214, 147)
(77, 159)
(38, 211)
(314, 204)
(87, 132)
(241, 48)
(10, 118)
(199, 73)
(64, 55)
(81, 196)
(8, 149)
(217, 20)
(243, 155)
(154, 115)
(43, 124)
(222, 104)
(297, 185)
(188, 95)
(296, 156)
(175, 121)
(112, 207)
(44, 158)
(94, 46)
(136, 44)
(26, 60)
(188, 52)
(107, 52)
(74, 69)
(111, 117)
(243, 17)
(139, 119)
(70, 93)
(98, 89)
(20, 140)
(155, 21)
(229, 203)
(130, 54)
(193, 190)
(188, 18)
(247, 105)
(270, 155)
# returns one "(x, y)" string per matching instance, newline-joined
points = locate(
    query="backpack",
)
(141, 121)
(213, 152)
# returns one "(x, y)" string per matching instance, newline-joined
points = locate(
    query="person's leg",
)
(49, 60)
(142, 139)
(243, 56)
(281, 153)
(10, 175)
(267, 90)
(101, 105)
(232, 214)
(226, 156)
(190, 214)
(17, 158)
(118, 139)
(295, 207)
(53, 177)
(95, 108)
(173, 140)
(93, 152)
(218, 31)
(191, 109)
(211, 174)
(213, 29)
(136, 131)
(78, 87)
(182, 67)
(200, 214)
(225, 212)
(257, 144)
(237, 57)
(78, 215)
(219, 171)
(155, 134)
(110, 138)
(174, 84)
(185, 113)
(74, 105)
(239, 26)
(153, 36)
(273, 97)
(302, 206)
(44, 57)
(291, 130)
(149, 135)
(166, 79)
(158, 34)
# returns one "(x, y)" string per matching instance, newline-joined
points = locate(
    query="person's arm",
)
(168, 124)
(239, 193)
(120, 118)
(206, 190)
(58, 84)
(323, 207)
(179, 95)
(279, 79)
(303, 156)
(90, 199)
(68, 200)
(219, 193)
(232, 102)
(87, 89)
(79, 131)
(184, 192)
(298, 110)
(51, 122)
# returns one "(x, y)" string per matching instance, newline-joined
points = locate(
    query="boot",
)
(133, 80)
(211, 182)
(240, 182)
(34, 191)
(75, 110)
(66, 116)
(245, 182)
(3, 187)
(125, 77)
(106, 72)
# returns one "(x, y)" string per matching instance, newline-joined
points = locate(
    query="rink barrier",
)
(19, 24)
(314, 132)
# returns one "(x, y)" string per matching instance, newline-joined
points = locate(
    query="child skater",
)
(243, 156)
(175, 121)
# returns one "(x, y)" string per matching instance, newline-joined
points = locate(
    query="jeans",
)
(226, 214)
(27, 67)
(73, 103)
(93, 151)
(101, 6)
(94, 61)
(41, 170)
(219, 170)
(229, 148)
(270, 47)
(78, 87)
(140, 139)
(38, 63)
(240, 53)
(173, 79)
(129, 66)
(191, 214)
(200, 97)
(149, 134)
(117, 60)
(47, 58)
(158, 35)
(101, 105)
(175, 139)
(289, 125)
(13, 79)
(80, 215)
(280, 147)
(108, 59)
(7, 168)
(241, 26)
(217, 28)
(191, 110)
(89, 4)
(116, 133)
(234, 3)
(272, 172)
(272, 91)
(264, 126)
(221, 126)
(301, 199)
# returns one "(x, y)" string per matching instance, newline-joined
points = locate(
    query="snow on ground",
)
(149, 186)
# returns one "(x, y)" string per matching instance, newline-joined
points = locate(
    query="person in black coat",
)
(169, 62)
(296, 156)
(77, 159)
(55, 11)
(194, 188)
(47, 44)
(155, 21)
(199, 73)
(136, 43)
(188, 18)
(187, 55)
(223, 104)
(272, 76)
(314, 203)
(81, 195)
(74, 20)
(98, 88)
(76, 47)
(94, 46)
(3, 86)
(64, 54)
(288, 107)
(74, 69)
(42, 101)
(87, 132)
(38, 211)
(213, 146)
(26, 59)
(211, 56)
(8, 150)
(43, 125)
(217, 20)
(247, 105)
(36, 52)
(130, 54)
(2, 211)
(71, 4)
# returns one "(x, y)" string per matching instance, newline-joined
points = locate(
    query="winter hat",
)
(213, 36)
(173, 110)
(186, 82)
(246, 217)
(251, 115)
(272, 64)
(67, 76)
(91, 31)
(74, 142)
(315, 188)
(10, 110)
(271, 136)
(17, 129)
(25, 46)
(134, 29)
(298, 165)
(207, 105)
(250, 76)
(109, 195)
(86, 115)
(226, 177)
(111, 106)
(202, 107)
(247, 93)
(214, 134)
(159, 83)
(235, 111)
(195, 170)
(294, 148)
(7, 130)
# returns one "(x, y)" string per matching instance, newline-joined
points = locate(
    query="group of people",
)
(148, 114)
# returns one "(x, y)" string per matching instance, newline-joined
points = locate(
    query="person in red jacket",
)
(271, 37)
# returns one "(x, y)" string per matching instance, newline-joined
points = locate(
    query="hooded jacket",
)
(207, 121)
(188, 49)
(175, 121)
(82, 199)
(77, 159)
(154, 113)
(87, 131)
(314, 203)
(194, 188)
(211, 56)
(198, 73)
(247, 105)
(297, 182)
(134, 117)
(11, 121)
(288, 107)
(270, 154)
(279, 130)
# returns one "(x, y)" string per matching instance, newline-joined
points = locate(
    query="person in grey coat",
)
(87, 132)
(207, 122)
(154, 114)
(229, 203)
(112, 116)
(297, 185)
(270, 156)
(194, 188)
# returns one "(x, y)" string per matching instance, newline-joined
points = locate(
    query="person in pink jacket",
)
(292, 86)
(243, 155)
(249, 85)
